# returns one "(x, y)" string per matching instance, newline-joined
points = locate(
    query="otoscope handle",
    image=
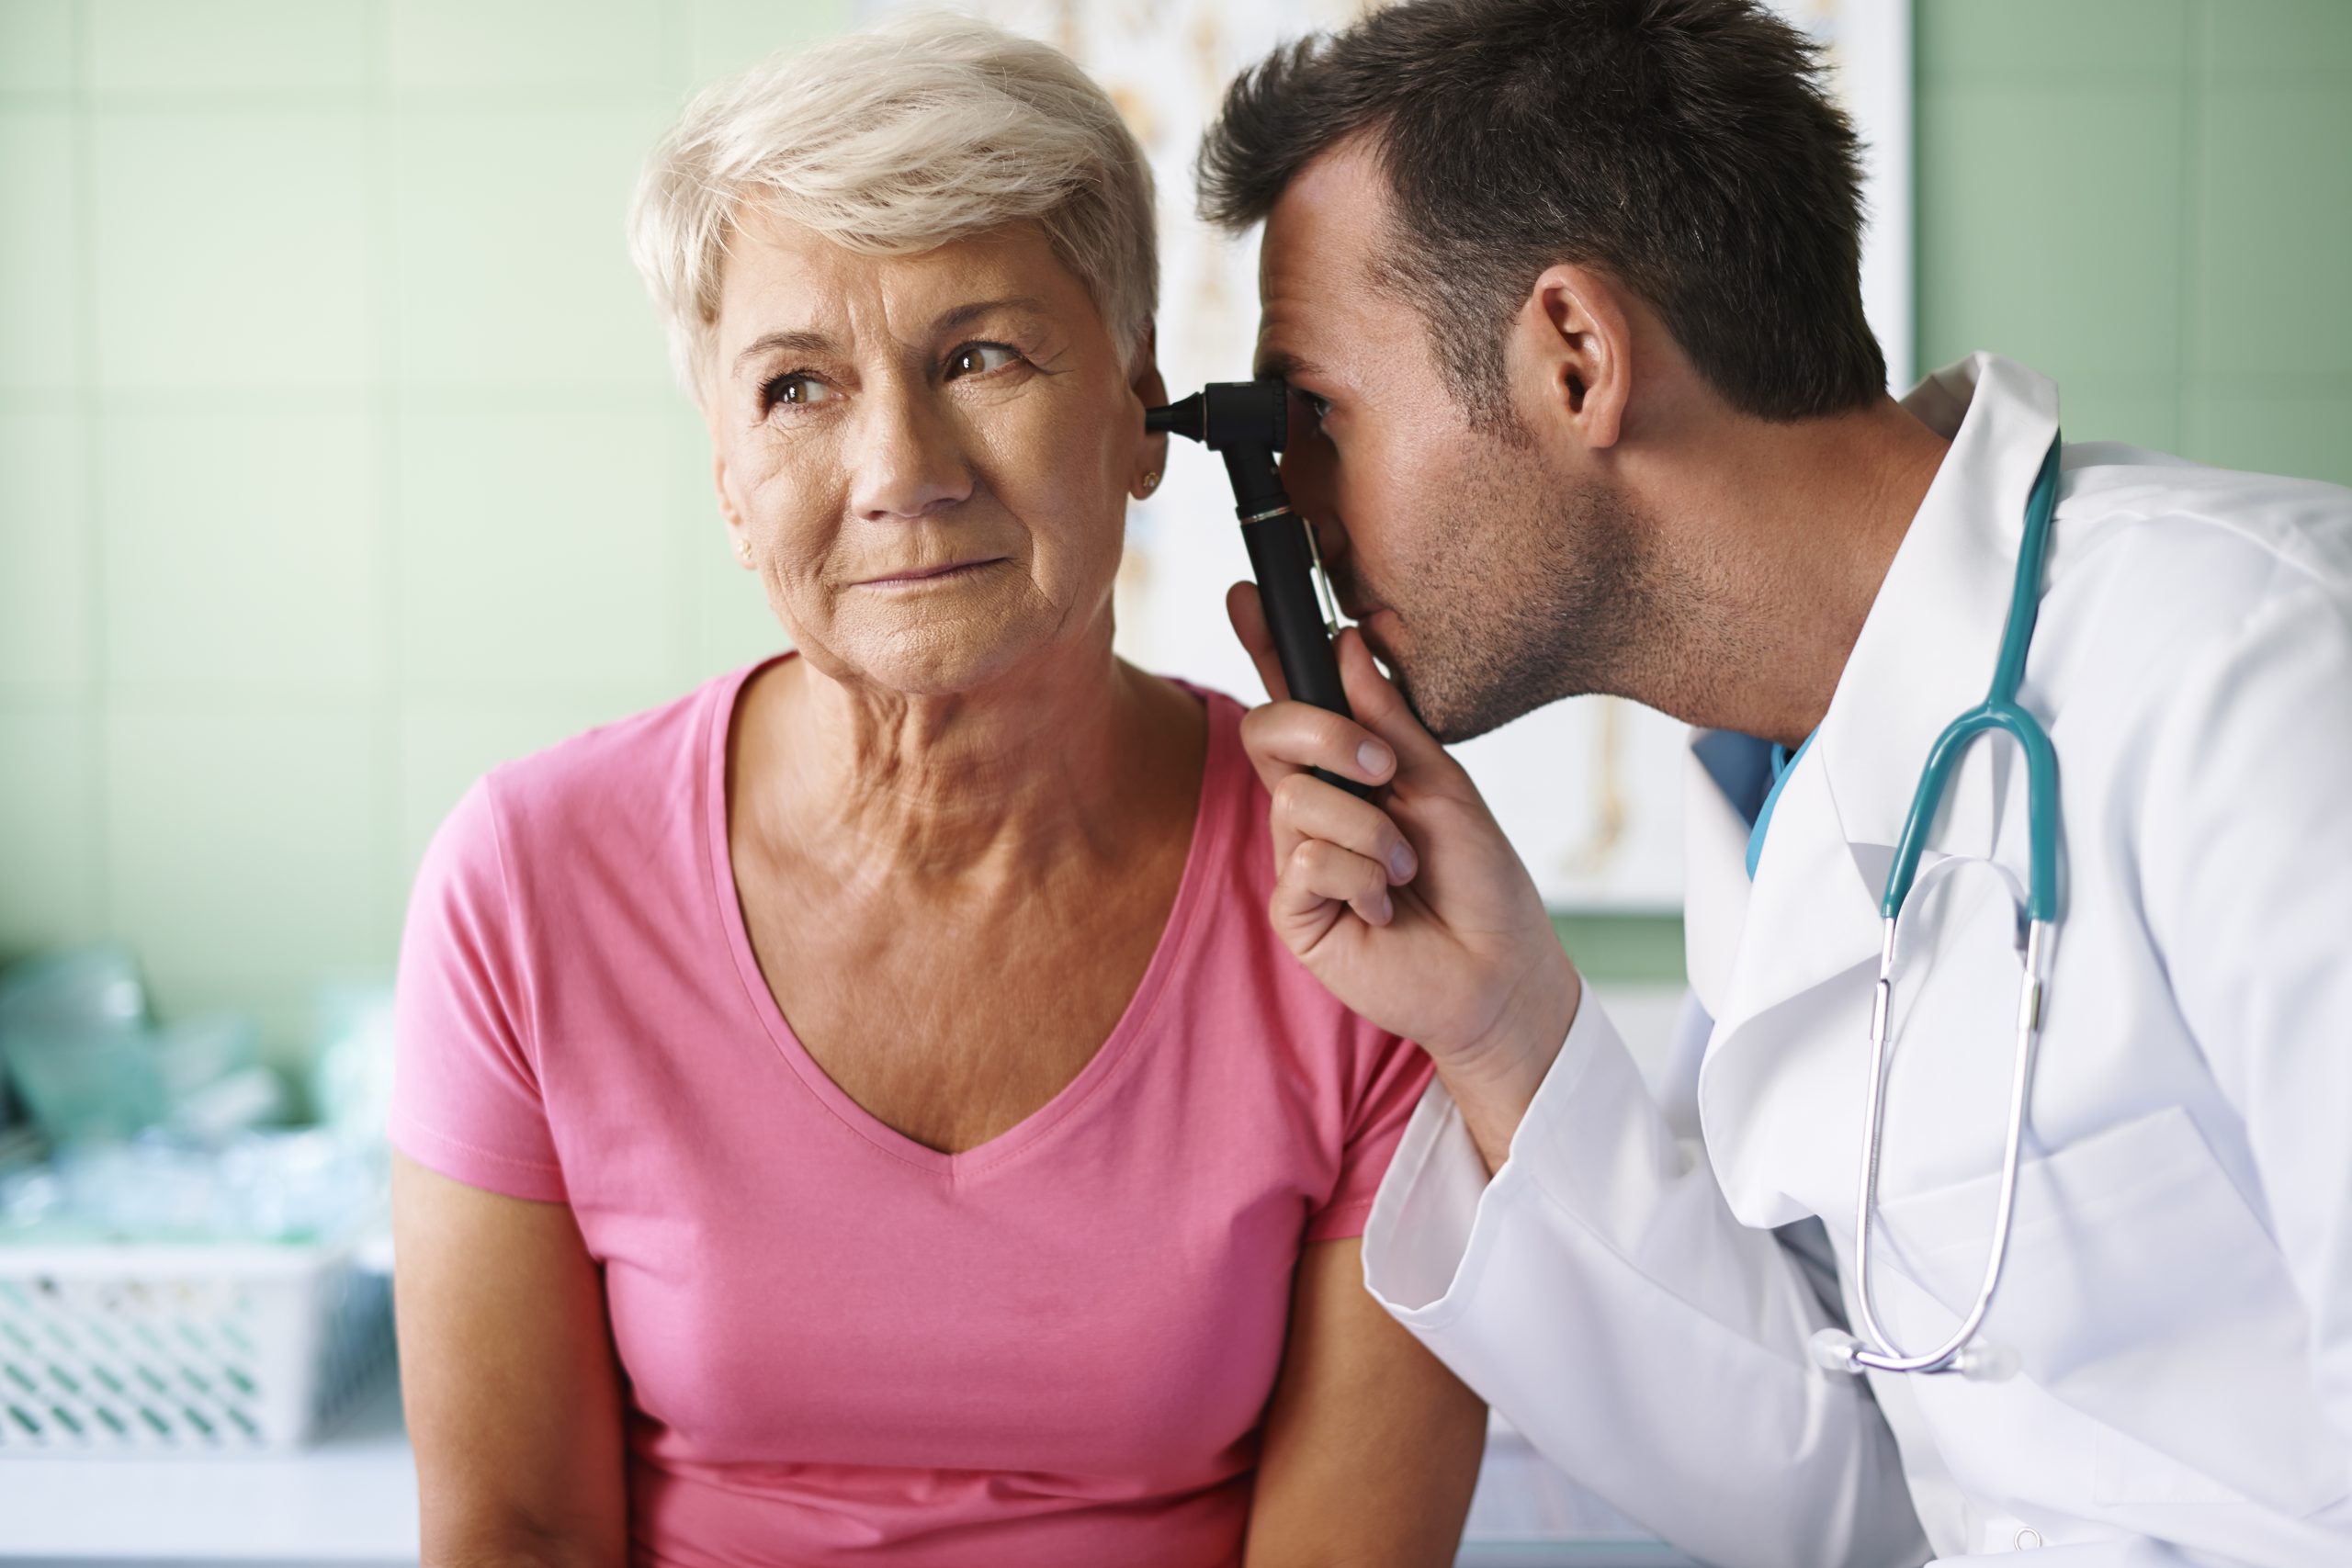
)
(1247, 423)
(1282, 557)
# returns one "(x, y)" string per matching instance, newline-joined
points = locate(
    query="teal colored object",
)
(72, 1042)
(1871, 1348)
(2000, 712)
(89, 1063)
(1784, 763)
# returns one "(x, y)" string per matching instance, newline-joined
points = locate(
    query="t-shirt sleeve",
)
(466, 1099)
(1400, 1071)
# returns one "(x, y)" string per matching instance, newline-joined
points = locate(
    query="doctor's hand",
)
(1413, 910)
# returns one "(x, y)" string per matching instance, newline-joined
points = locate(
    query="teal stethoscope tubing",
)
(1875, 1349)
(1999, 711)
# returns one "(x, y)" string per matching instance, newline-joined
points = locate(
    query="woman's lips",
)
(921, 576)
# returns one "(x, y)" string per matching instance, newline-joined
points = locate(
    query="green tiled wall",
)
(2151, 201)
(338, 459)
(338, 453)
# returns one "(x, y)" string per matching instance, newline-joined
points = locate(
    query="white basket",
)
(146, 1350)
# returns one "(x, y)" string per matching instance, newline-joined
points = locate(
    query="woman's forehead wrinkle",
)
(792, 289)
(918, 298)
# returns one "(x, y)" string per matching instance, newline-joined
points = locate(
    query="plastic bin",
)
(203, 1350)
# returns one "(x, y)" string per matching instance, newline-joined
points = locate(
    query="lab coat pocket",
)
(2140, 1290)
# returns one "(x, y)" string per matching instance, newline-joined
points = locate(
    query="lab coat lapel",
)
(1775, 1089)
(1926, 651)
(1810, 923)
(1715, 896)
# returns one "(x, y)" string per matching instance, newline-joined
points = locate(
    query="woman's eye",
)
(1316, 406)
(796, 389)
(978, 359)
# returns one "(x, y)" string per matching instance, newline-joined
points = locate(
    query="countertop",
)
(350, 1502)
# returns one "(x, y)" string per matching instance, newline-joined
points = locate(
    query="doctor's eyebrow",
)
(1289, 367)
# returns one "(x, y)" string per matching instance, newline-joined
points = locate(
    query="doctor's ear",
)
(1573, 354)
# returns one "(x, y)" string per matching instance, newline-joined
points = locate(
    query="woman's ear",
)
(1144, 380)
(738, 537)
(1574, 342)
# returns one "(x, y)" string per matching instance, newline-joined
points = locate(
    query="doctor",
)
(1568, 291)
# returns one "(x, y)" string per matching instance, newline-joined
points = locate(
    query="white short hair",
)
(891, 141)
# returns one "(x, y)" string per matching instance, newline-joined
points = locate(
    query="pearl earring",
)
(1150, 482)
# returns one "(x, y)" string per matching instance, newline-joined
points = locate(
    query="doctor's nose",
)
(907, 460)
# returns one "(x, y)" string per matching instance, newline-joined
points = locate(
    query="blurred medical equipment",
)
(88, 1061)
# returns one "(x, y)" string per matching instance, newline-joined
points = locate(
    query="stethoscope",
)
(1875, 1349)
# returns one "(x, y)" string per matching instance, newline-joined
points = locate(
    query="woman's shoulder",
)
(586, 768)
(1225, 713)
(1229, 785)
(598, 796)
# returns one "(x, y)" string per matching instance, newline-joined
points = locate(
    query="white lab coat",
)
(2178, 1292)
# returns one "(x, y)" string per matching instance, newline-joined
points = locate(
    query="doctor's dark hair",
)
(1685, 148)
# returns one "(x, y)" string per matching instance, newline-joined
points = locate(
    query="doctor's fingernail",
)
(1372, 758)
(1400, 861)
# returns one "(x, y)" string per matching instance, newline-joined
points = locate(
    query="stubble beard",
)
(1535, 589)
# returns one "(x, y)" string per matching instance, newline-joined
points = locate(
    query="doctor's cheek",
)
(1307, 467)
(1323, 501)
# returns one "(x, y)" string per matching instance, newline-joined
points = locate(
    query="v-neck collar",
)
(1212, 824)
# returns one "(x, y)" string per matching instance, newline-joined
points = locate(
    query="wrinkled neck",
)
(998, 786)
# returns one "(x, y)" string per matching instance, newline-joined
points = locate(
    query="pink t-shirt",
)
(1053, 1349)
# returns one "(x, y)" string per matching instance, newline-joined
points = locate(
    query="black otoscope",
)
(1246, 422)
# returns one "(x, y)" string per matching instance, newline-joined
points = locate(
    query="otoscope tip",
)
(1187, 418)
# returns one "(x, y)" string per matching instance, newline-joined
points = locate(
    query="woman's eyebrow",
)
(791, 342)
(964, 315)
(803, 341)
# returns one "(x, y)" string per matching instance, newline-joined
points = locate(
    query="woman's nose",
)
(909, 459)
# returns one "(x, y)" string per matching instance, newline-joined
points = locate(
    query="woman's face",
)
(925, 459)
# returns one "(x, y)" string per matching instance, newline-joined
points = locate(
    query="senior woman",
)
(857, 1112)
